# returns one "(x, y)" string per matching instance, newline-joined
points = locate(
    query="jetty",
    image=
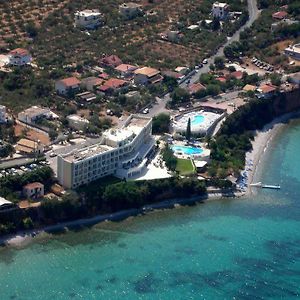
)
(265, 186)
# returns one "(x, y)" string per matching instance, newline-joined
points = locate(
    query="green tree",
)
(219, 63)
(161, 123)
(188, 130)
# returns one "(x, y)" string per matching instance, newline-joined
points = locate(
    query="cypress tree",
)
(188, 130)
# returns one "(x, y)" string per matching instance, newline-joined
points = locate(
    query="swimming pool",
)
(188, 150)
(197, 120)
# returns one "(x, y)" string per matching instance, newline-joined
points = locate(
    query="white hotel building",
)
(122, 153)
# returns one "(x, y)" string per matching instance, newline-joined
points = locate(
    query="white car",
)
(205, 61)
(146, 111)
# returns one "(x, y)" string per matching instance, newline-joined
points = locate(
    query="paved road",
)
(160, 106)
(253, 15)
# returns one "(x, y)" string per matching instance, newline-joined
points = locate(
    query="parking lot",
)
(23, 169)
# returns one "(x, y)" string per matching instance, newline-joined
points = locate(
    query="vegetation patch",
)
(185, 166)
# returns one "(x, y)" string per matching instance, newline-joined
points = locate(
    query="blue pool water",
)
(242, 249)
(188, 150)
(197, 120)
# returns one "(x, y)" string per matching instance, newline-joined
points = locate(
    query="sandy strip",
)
(261, 143)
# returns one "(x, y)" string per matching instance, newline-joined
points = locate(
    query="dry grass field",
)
(16, 14)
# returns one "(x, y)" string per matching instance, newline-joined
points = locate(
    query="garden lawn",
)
(185, 166)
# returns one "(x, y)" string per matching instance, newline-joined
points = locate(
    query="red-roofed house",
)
(111, 61)
(19, 57)
(126, 70)
(33, 190)
(103, 75)
(195, 88)
(280, 15)
(237, 75)
(266, 91)
(113, 84)
(67, 85)
(221, 79)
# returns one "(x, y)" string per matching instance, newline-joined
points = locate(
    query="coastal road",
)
(254, 12)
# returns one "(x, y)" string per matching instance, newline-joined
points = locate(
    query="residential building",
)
(220, 10)
(85, 97)
(237, 75)
(122, 153)
(6, 205)
(284, 22)
(19, 57)
(91, 83)
(33, 190)
(111, 61)
(294, 78)
(3, 114)
(249, 88)
(114, 84)
(182, 70)
(173, 36)
(173, 74)
(88, 19)
(195, 88)
(67, 86)
(130, 10)
(280, 15)
(266, 91)
(76, 122)
(126, 70)
(221, 79)
(32, 114)
(133, 96)
(146, 75)
(27, 146)
(293, 51)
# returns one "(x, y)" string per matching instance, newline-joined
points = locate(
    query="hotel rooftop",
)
(132, 128)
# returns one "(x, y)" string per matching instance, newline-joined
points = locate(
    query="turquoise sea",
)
(227, 249)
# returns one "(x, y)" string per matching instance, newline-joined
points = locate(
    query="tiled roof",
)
(71, 81)
(149, 72)
(115, 83)
(280, 15)
(111, 61)
(125, 68)
(196, 87)
(19, 51)
(33, 185)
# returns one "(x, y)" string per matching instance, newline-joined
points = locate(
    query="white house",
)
(19, 57)
(33, 113)
(66, 85)
(293, 51)
(33, 190)
(88, 19)
(2, 114)
(220, 10)
(76, 122)
(130, 10)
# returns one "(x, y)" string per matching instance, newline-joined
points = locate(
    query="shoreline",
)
(23, 238)
(260, 144)
(262, 140)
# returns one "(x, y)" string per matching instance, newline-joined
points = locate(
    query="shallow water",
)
(228, 249)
